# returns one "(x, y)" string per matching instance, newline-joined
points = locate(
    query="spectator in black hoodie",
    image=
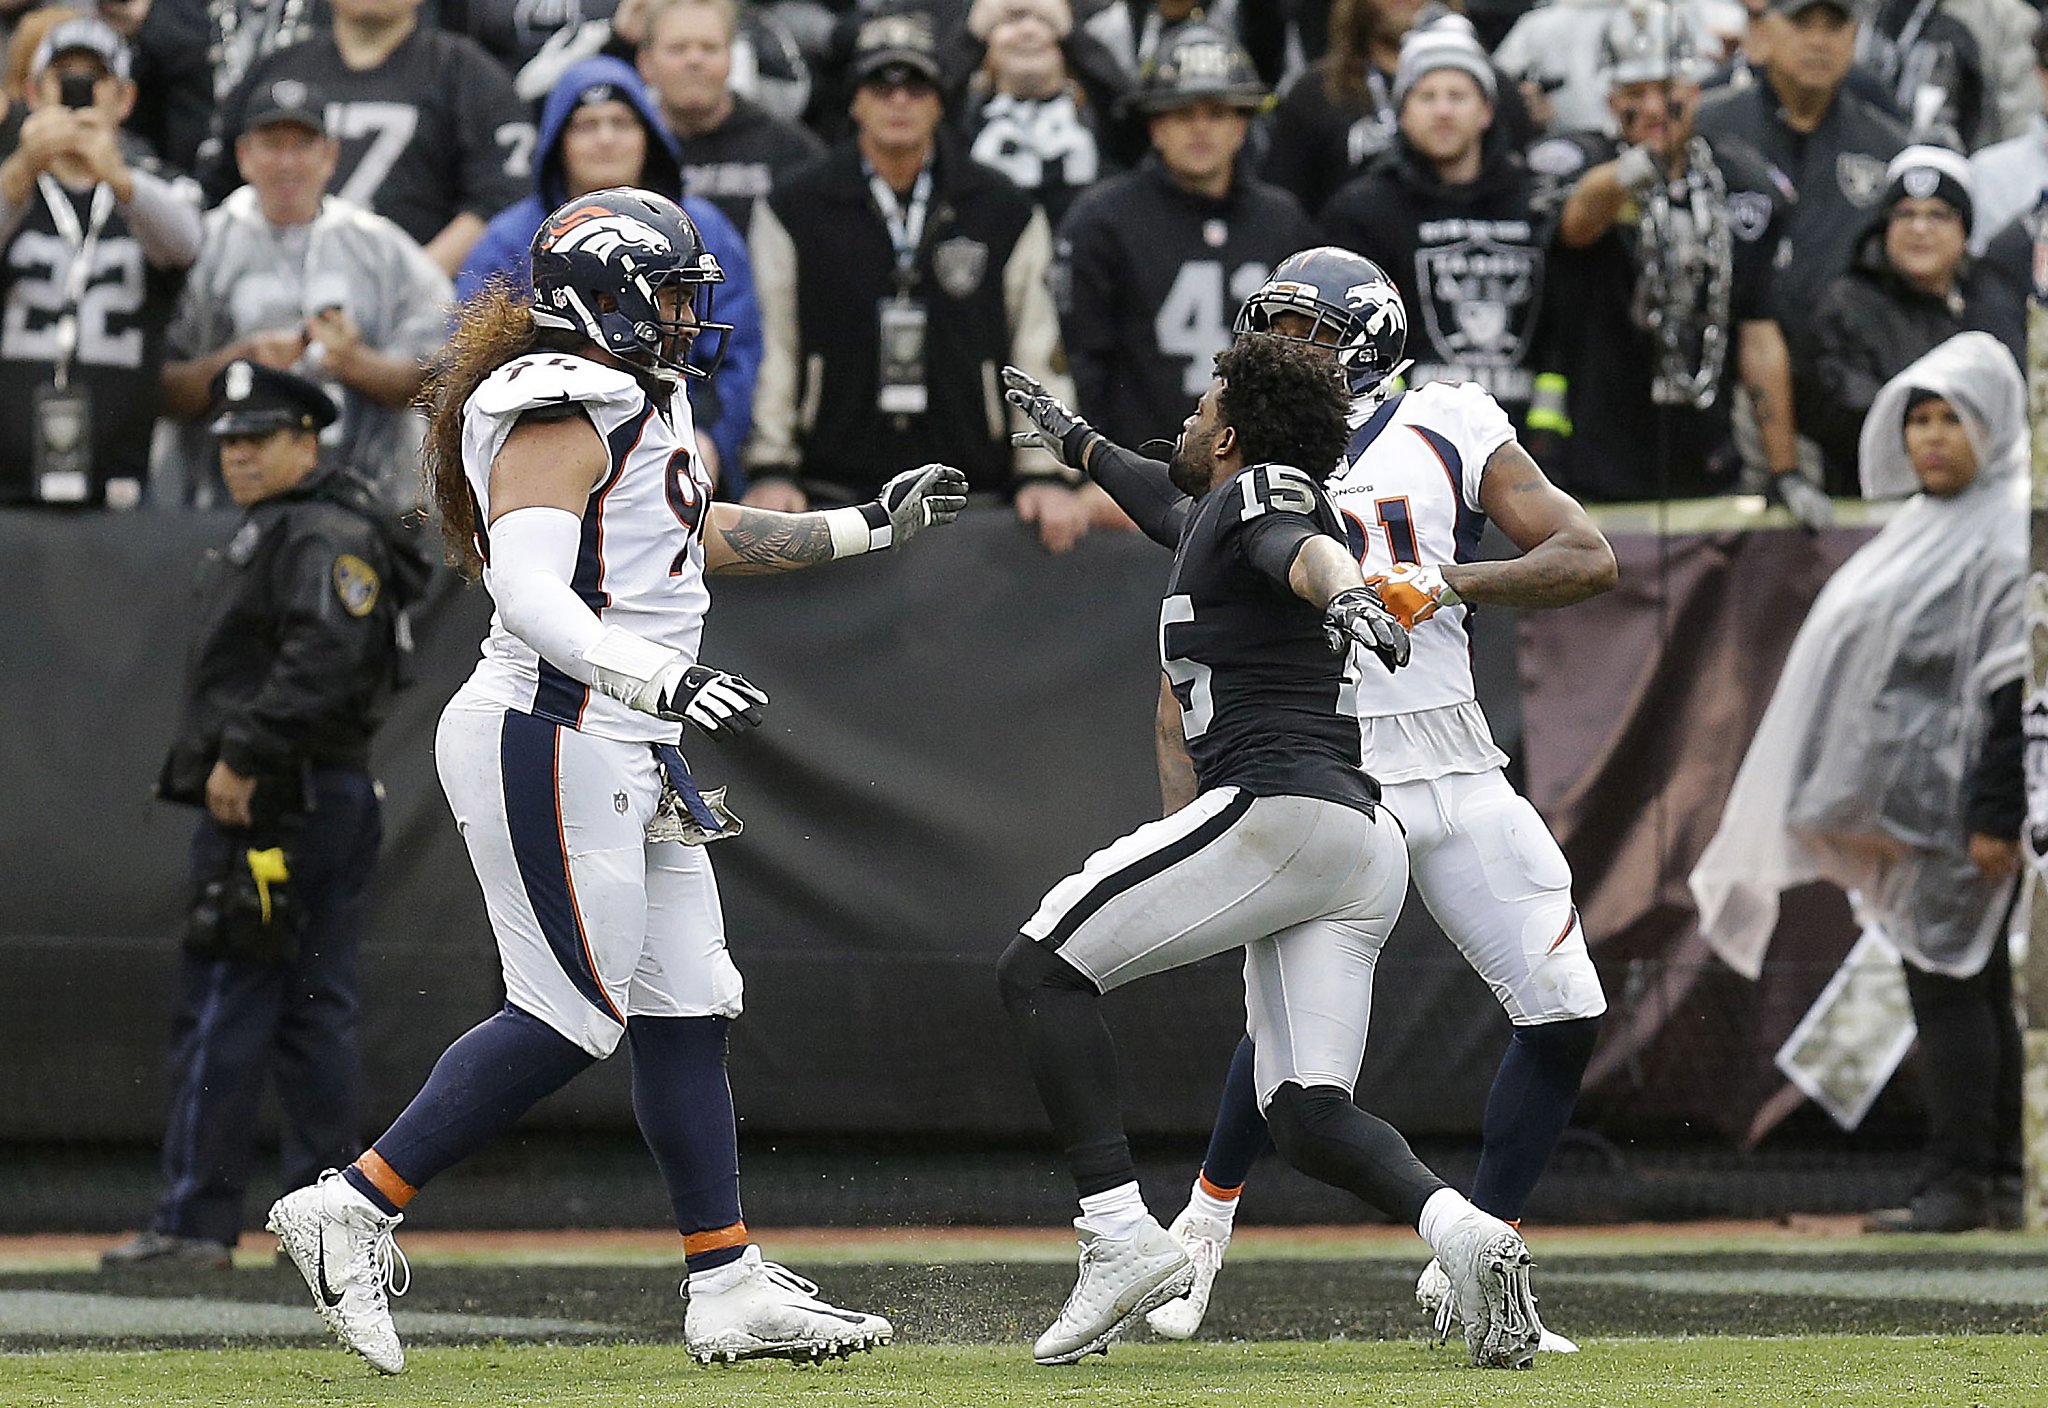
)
(1446, 213)
(1910, 288)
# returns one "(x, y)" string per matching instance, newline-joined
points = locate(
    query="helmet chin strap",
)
(1375, 396)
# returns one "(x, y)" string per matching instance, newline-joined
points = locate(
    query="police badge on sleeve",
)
(357, 584)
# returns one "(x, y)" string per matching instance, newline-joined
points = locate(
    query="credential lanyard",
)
(83, 241)
(905, 223)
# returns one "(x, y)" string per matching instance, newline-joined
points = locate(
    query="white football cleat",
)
(1433, 1294)
(770, 1312)
(1121, 1279)
(341, 1242)
(1488, 1269)
(1204, 1239)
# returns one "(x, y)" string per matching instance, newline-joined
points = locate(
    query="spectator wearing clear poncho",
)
(1888, 761)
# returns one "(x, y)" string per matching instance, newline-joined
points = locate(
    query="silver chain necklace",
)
(230, 52)
(1685, 282)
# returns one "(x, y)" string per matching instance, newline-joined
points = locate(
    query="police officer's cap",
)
(1197, 61)
(250, 399)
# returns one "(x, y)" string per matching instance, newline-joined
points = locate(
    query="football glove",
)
(1813, 510)
(720, 703)
(1413, 594)
(1053, 426)
(918, 498)
(1357, 615)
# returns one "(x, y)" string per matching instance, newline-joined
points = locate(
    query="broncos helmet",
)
(600, 260)
(1352, 306)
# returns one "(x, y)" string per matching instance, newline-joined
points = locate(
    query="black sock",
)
(1321, 1132)
(1239, 1135)
(1530, 1104)
(1057, 1015)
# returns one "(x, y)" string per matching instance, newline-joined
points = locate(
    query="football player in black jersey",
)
(1285, 851)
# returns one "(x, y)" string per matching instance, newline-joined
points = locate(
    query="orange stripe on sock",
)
(697, 1243)
(1225, 1195)
(385, 1178)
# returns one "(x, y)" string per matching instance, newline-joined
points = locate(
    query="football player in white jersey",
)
(562, 459)
(1424, 470)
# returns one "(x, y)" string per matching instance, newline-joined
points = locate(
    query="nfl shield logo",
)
(960, 264)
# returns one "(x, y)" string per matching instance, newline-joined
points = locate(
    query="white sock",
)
(1224, 1210)
(1116, 1213)
(721, 1278)
(1445, 1209)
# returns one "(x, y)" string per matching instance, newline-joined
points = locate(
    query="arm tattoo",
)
(762, 542)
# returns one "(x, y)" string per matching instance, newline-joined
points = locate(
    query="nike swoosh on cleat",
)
(329, 1297)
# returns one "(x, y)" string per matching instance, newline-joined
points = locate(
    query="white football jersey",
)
(1408, 490)
(641, 562)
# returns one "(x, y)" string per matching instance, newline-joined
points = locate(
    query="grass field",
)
(1666, 1318)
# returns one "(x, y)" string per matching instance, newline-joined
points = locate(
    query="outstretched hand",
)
(1357, 615)
(1052, 422)
(920, 498)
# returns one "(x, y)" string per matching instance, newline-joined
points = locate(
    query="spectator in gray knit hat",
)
(1448, 42)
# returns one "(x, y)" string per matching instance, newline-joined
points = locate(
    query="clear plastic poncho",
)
(1856, 772)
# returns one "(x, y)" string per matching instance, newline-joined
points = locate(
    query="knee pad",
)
(1027, 965)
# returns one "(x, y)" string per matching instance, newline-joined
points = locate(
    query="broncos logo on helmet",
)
(1350, 305)
(599, 265)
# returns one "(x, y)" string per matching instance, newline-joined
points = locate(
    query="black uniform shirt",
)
(1591, 338)
(1149, 277)
(123, 312)
(433, 132)
(738, 162)
(1838, 171)
(1262, 695)
(294, 642)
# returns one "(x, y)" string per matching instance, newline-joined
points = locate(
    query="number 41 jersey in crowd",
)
(1408, 491)
(640, 563)
(1266, 705)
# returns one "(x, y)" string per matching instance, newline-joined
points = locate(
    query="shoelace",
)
(393, 1271)
(1446, 1314)
(787, 1279)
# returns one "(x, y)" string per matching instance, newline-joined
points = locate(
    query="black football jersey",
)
(433, 132)
(123, 311)
(1265, 704)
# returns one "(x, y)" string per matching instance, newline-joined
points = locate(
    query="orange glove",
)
(1413, 594)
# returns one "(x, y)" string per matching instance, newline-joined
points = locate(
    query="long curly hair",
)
(1287, 401)
(492, 328)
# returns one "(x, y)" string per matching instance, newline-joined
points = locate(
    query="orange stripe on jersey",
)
(1564, 934)
(384, 1178)
(1222, 1195)
(698, 1243)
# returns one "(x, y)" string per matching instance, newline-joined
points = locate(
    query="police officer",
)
(1154, 263)
(299, 636)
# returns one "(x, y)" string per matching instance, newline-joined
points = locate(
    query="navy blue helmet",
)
(599, 263)
(1352, 306)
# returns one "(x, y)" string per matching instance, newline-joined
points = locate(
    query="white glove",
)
(1636, 169)
(1413, 593)
(718, 702)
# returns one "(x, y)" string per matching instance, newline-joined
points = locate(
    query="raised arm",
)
(1140, 486)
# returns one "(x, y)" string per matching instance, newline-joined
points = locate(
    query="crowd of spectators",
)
(1683, 243)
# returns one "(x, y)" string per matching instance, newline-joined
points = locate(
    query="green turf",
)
(1994, 1372)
